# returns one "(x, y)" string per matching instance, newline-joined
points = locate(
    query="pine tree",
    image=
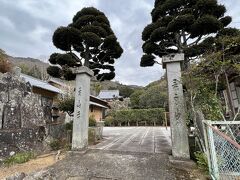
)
(88, 41)
(182, 26)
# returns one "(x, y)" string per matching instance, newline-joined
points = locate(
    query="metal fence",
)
(222, 141)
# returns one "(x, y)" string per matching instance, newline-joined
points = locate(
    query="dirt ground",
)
(36, 164)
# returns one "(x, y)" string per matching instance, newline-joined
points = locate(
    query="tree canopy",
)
(125, 91)
(186, 26)
(87, 41)
(206, 79)
(153, 95)
(224, 57)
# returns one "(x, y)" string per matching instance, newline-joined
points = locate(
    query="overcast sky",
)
(26, 28)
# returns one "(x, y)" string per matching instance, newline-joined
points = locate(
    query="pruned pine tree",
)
(88, 41)
(182, 26)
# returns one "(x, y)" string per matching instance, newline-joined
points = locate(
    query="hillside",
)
(125, 90)
(154, 95)
(29, 62)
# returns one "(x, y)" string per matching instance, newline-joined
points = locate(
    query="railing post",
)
(213, 154)
(205, 127)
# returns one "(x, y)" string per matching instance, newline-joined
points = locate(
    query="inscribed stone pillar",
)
(81, 108)
(179, 132)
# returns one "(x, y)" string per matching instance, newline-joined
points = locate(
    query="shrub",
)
(55, 144)
(67, 105)
(19, 158)
(154, 116)
(108, 121)
(92, 121)
(202, 161)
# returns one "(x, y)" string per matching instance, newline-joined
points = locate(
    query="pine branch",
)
(195, 42)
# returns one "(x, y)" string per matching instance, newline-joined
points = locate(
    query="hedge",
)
(135, 117)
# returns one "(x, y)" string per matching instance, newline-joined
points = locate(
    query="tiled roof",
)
(57, 81)
(40, 84)
(97, 104)
(108, 94)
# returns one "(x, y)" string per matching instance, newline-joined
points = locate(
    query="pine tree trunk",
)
(87, 56)
(232, 113)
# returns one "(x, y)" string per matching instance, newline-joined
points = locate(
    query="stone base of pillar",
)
(182, 163)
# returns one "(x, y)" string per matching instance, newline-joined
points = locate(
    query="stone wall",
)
(21, 140)
(57, 131)
(23, 115)
(19, 107)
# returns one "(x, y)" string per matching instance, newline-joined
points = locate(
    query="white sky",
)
(26, 28)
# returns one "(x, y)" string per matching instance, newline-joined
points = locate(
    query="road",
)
(136, 139)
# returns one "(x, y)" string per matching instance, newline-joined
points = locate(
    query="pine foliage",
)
(87, 41)
(186, 26)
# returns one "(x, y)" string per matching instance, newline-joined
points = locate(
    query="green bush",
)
(202, 161)
(92, 121)
(55, 144)
(154, 116)
(108, 121)
(19, 158)
(67, 105)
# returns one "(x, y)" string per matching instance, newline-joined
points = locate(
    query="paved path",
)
(127, 153)
(136, 139)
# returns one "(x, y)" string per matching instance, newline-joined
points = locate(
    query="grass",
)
(19, 158)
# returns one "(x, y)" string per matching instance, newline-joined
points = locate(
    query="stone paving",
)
(127, 153)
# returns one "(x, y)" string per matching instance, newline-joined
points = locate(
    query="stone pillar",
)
(81, 108)
(179, 132)
(1, 115)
